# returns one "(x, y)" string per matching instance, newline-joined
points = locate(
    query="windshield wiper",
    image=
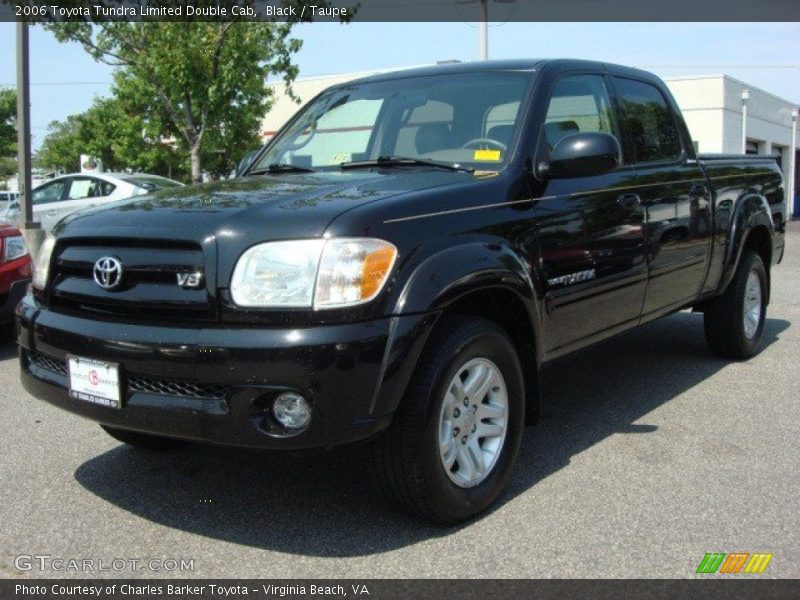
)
(281, 168)
(401, 161)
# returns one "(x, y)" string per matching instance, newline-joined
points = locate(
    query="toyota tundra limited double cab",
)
(396, 266)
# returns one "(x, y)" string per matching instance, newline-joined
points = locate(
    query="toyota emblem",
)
(107, 272)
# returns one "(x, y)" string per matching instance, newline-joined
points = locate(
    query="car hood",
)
(250, 209)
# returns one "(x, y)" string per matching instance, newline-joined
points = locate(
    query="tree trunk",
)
(197, 169)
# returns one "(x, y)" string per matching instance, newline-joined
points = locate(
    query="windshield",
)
(466, 119)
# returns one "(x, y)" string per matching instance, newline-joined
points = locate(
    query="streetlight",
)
(792, 168)
(745, 98)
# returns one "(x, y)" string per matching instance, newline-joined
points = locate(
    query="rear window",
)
(151, 183)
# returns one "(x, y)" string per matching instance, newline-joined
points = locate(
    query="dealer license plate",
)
(94, 381)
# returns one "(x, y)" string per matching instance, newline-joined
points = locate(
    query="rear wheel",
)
(734, 322)
(452, 444)
(143, 440)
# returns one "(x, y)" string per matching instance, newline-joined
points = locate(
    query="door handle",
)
(698, 190)
(629, 200)
(51, 213)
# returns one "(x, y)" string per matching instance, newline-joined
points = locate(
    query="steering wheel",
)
(489, 141)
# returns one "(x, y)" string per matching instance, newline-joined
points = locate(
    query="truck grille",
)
(148, 288)
(139, 383)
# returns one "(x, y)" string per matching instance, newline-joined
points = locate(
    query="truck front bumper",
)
(216, 384)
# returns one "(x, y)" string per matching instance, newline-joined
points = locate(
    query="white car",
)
(60, 196)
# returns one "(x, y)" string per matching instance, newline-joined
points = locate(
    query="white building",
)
(711, 104)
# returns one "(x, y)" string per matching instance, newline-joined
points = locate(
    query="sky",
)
(64, 79)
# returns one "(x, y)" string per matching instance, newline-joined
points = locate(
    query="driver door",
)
(591, 231)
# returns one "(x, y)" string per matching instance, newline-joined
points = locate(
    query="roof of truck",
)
(529, 64)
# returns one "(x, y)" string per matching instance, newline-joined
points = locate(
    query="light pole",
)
(792, 168)
(33, 232)
(745, 98)
(483, 31)
(483, 24)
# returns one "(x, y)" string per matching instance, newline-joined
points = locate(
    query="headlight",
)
(14, 247)
(352, 271)
(319, 273)
(42, 267)
(277, 274)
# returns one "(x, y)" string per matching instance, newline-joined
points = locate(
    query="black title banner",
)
(400, 10)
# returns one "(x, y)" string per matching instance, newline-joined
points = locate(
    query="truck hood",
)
(250, 209)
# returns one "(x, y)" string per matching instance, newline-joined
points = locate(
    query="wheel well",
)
(760, 241)
(506, 309)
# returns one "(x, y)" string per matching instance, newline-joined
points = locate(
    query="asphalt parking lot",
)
(651, 453)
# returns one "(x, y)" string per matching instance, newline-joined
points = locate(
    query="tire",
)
(730, 332)
(409, 458)
(143, 440)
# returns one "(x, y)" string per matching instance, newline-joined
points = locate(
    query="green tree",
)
(118, 136)
(8, 132)
(61, 147)
(197, 84)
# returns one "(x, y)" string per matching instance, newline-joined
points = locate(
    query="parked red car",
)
(15, 271)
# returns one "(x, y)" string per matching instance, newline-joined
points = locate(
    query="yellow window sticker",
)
(486, 155)
(341, 157)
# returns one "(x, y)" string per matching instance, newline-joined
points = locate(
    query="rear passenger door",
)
(591, 240)
(673, 193)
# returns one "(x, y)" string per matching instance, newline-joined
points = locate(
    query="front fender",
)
(446, 276)
(751, 211)
(437, 282)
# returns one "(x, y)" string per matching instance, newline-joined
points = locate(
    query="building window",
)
(751, 147)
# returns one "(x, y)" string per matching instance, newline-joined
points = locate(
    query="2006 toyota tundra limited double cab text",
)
(397, 264)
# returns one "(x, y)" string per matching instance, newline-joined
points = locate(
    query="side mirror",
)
(582, 155)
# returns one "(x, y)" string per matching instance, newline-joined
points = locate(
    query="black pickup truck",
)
(396, 266)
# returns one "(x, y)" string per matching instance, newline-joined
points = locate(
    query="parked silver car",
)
(57, 198)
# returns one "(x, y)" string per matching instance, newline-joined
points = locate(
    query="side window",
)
(82, 187)
(579, 104)
(647, 124)
(49, 192)
(104, 188)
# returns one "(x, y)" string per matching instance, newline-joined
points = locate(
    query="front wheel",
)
(734, 321)
(452, 444)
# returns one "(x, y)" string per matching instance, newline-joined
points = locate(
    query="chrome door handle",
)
(629, 200)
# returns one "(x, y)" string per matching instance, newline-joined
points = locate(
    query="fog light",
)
(291, 410)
